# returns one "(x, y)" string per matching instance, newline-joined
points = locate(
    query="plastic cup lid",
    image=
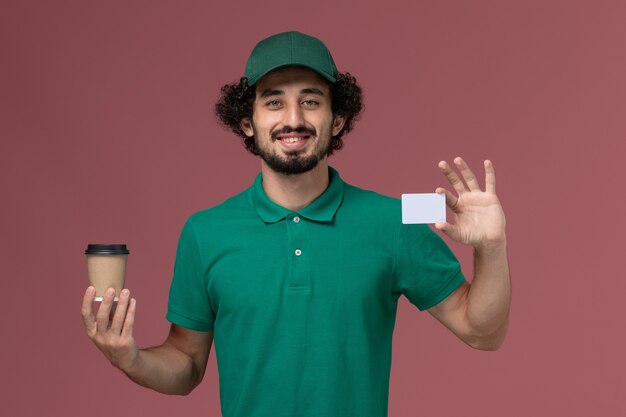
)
(106, 249)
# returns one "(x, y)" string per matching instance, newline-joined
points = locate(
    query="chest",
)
(269, 272)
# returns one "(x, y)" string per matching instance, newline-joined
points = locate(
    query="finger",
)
(103, 314)
(454, 179)
(490, 177)
(468, 175)
(120, 312)
(449, 229)
(129, 322)
(451, 199)
(86, 311)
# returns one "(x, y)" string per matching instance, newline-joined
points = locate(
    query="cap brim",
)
(330, 78)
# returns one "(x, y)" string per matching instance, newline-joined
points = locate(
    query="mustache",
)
(288, 129)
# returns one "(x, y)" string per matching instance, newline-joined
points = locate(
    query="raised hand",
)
(112, 332)
(478, 217)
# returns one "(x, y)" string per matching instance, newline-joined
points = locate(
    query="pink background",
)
(107, 135)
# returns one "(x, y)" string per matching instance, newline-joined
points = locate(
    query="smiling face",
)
(292, 120)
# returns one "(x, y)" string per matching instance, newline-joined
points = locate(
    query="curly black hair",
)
(237, 99)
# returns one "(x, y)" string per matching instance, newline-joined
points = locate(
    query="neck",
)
(295, 191)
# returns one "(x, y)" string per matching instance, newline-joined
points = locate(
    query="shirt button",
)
(296, 219)
(298, 252)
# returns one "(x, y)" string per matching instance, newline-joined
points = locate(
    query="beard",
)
(293, 163)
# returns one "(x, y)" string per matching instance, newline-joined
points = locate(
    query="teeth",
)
(291, 140)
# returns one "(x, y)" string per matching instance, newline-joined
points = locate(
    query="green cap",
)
(290, 48)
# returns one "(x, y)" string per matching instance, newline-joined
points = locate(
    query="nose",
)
(293, 116)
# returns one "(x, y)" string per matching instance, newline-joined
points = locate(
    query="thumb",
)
(450, 230)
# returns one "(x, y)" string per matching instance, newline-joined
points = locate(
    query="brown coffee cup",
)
(106, 266)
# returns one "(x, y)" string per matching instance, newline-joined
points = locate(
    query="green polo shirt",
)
(303, 304)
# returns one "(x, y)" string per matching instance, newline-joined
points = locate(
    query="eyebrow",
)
(313, 91)
(310, 90)
(267, 93)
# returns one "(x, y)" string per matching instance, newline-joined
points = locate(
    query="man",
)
(297, 278)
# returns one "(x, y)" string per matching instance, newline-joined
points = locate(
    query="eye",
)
(311, 103)
(272, 103)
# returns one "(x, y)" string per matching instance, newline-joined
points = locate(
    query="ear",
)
(246, 126)
(338, 123)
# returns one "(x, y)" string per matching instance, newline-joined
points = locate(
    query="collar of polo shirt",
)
(322, 209)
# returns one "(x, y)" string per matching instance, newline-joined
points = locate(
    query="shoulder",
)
(381, 212)
(371, 200)
(372, 208)
(236, 207)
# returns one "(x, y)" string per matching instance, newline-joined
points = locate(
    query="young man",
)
(297, 278)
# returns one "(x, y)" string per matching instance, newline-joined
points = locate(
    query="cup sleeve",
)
(426, 271)
(189, 303)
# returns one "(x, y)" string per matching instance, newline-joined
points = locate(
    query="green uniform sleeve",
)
(426, 270)
(189, 304)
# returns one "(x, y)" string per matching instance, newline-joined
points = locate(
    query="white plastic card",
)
(423, 208)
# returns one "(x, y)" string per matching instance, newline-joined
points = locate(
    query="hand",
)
(112, 332)
(478, 217)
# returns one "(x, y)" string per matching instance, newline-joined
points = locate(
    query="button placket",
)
(299, 269)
